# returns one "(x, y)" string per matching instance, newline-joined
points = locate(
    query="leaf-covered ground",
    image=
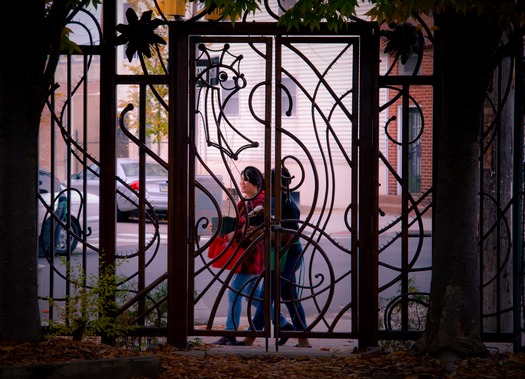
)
(196, 364)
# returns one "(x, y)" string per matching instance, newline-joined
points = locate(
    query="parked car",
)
(156, 189)
(127, 169)
(59, 200)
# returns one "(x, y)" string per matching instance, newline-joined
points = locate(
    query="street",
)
(325, 276)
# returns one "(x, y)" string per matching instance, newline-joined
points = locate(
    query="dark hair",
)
(286, 177)
(253, 175)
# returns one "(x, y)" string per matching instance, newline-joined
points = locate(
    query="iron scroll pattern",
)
(323, 284)
(404, 233)
(64, 229)
(501, 207)
(500, 193)
(68, 234)
(220, 74)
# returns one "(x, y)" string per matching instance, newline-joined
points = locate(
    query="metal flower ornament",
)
(139, 34)
(402, 40)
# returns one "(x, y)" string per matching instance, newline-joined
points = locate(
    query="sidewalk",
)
(320, 348)
(325, 347)
(336, 223)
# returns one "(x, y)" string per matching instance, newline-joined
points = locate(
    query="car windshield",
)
(152, 169)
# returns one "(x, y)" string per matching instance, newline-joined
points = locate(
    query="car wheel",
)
(61, 237)
(122, 216)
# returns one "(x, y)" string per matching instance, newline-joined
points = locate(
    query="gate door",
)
(289, 104)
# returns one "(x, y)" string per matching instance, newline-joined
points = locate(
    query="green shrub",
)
(90, 309)
(417, 312)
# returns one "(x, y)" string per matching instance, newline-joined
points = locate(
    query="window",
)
(409, 66)
(290, 94)
(414, 150)
(229, 99)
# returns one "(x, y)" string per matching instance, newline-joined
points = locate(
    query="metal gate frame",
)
(180, 328)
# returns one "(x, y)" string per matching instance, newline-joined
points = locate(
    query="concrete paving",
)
(262, 347)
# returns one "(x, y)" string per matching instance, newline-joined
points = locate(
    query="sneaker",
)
(225, 341)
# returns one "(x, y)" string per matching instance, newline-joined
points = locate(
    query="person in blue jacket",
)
(292, 261)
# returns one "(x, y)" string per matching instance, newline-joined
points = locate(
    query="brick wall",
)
(423, 96)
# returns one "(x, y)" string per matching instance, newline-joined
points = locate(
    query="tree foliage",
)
(230, 8)
(310, 13)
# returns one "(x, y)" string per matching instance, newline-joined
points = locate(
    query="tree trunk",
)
(19, 314)
(21, 100)
(464, 45)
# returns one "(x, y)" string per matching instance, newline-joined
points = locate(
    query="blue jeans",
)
(288, 291)
(241, 287)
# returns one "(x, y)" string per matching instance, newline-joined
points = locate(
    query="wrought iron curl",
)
(66, 225)
(421, 298)
(151, 215)
(212, 91)
(394, 118)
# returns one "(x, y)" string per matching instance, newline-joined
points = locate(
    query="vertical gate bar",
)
(69, 117)
(368, 169)
(517, 209)
(178, 194)
(84, 157)
(142, 194)
(108, 106)
(52, 230)
(191, 177)
(276, 190)
(436, 121)
(354, 235)
(268, 189)
(405, 140)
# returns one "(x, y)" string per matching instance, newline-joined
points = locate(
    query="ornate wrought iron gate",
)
(301, 101)
(319, 104)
